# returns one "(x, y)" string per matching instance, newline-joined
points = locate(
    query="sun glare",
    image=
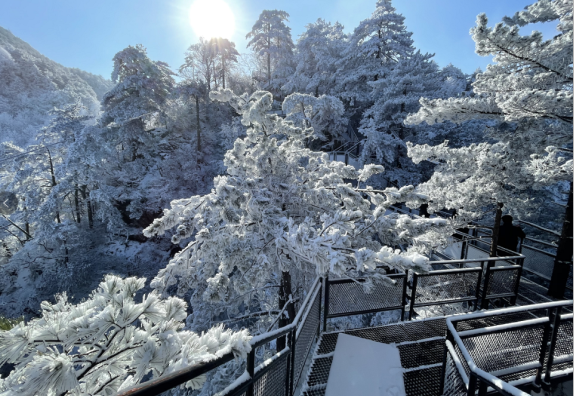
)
(212, 18)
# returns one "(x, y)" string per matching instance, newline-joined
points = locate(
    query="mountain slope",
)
(32, 85)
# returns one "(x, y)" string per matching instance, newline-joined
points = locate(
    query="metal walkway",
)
(421, 346)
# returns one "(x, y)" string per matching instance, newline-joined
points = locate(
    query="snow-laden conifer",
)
(324, 114)
(379, 40)
(528, 90)
(318, 50)
(284, 208)
(109, 342)
(271, 39)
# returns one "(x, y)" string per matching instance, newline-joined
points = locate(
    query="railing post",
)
(477, 293)
(326, 302)
(291, 366)
(462, 250)
(404, 298)
(413, 295)
(484, 302)
(472, 384)
(319, 308)
(555, 324)
(482, 387)
(543, 347)
(250, 368)
(517, 285)
(449, 338)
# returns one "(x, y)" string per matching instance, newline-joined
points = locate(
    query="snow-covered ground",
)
(365, 367)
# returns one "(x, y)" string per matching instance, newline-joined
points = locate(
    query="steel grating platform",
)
(420, 344)
(421, 347)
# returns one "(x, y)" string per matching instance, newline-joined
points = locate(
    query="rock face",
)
(32, 85)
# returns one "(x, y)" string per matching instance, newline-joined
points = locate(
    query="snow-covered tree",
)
(227, 54)
(108, 343)
(283, 209)
(49, 194)
(324, 114)
(380, 40)
(132, 128)
(529, 90)
(208, 60)
(271, 38)
(318, 50)
(396, 94)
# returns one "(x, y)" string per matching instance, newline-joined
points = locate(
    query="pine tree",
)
(131, 127)
(109, 343)
(282, 210)
(378, 41)
(395, 95)
(528, 90)
(227, 54)
(271, 39)
(324, 114)
(318, 50)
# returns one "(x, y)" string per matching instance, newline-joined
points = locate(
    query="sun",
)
(212, 18)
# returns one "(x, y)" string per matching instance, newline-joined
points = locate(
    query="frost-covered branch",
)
(108, 343)
(302, 213)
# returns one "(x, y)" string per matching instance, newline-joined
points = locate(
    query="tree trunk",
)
(26, 224)
(53, 181)
(495, 232)
(198, 124)
(223, 70)
(89, 207)
(268, 68)
(77, 203)
(563, 260)
(284, 294)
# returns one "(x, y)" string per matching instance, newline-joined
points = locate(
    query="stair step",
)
(421, 353)
(423, 382)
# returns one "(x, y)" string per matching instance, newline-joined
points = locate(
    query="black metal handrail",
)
(244, 384)
(355, 283)
(469, 296)
(474, 379)
(288, 364)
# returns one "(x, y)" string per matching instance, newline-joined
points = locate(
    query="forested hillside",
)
(32, 85)
(209, 191)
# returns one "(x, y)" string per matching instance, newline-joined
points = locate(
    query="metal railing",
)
(278, 375)
(345, 297)
(347, 150)
(501, 349)
(475, 282)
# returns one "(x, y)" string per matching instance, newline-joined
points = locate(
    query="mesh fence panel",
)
(349, 297)
(480, 250)
(462, 360)
(444, 287)
(492, 352)
(273, 381)
(502, 281)
(306, 337)
(543, 263)
(501, 319)
(564, 339)
(453, 383)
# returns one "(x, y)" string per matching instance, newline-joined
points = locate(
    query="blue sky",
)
(87, 34)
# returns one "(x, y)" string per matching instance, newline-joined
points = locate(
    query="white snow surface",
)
(364, 367)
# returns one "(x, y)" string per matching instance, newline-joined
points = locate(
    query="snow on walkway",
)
(366, 368)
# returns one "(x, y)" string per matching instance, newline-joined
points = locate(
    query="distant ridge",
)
(32, 84)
